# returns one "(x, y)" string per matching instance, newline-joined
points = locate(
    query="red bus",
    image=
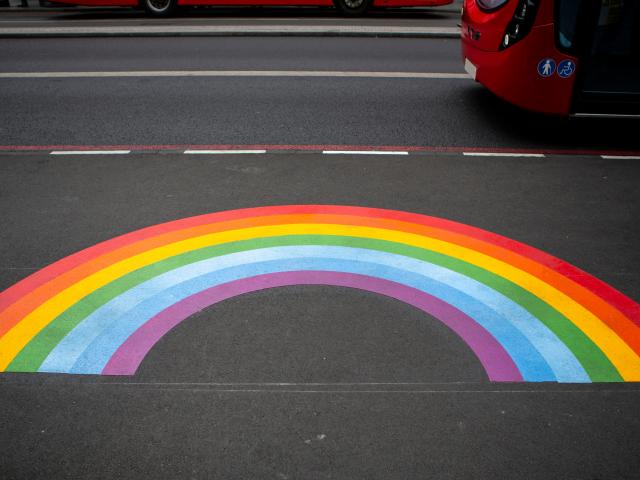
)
(347, 7)
(566, 57)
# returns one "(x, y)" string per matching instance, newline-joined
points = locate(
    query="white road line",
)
(620, 157)
(348, 387)
(220, 152)
(90, 152)
(214, 30)
(501, 154)
(237, 73)
(287, 384)
(374, 388)
(405, 392)
(362, 152)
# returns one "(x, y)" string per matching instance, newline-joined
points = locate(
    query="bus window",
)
(612, 61)
(567, 23)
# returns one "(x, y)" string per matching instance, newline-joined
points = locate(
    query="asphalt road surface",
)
(265, 110)
(448, 15)
(304, 381)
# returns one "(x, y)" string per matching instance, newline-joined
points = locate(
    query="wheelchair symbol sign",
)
(566, 68)
(546, 67)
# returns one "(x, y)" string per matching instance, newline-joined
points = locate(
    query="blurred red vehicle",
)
(566, 57)
(347, 7)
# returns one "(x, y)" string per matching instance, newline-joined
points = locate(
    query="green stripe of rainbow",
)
(595, 324)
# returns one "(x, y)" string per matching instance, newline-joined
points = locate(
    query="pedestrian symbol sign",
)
(546, 67)
(566, 68)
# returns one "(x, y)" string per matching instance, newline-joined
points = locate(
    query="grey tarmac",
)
(306, 381)
(317, 382)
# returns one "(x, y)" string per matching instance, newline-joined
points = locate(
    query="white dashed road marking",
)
(90, 152)
(220, 152)
(502, 154)
(362, 152)
(238, 73)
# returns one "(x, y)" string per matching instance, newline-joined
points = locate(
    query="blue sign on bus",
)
(546, 67)
(566, 68)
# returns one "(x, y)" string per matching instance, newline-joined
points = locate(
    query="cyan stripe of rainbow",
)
(538, 353)
(497, 363)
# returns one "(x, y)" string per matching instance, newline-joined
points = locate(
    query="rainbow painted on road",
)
(526, 315)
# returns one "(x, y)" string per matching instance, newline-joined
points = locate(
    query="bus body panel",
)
(485, 30)
(319, 3)
(573, 57)
(411, 3)
(512, 74)
(492, 25)
(100, 3)
(245, 3)
(376, 3)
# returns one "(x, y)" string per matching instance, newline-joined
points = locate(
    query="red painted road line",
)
(319, 148)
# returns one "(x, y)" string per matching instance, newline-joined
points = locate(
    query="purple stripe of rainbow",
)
(497, 363)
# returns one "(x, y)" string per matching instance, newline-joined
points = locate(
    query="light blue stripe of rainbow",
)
(537, 352)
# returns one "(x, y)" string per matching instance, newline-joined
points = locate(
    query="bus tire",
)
(352, 8)
(159, 8)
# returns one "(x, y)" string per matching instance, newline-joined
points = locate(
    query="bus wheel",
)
(159, 8)
(352, 7)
